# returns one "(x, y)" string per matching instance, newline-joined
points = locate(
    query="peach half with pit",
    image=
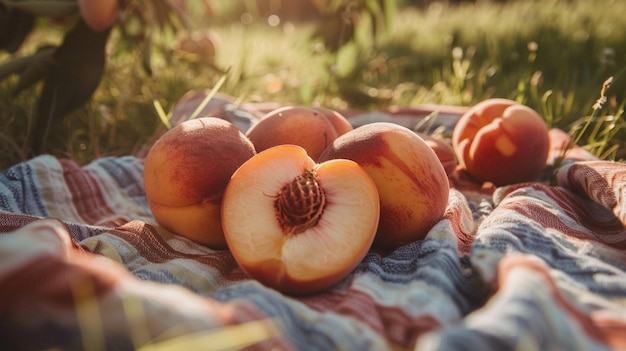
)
(312, 128)
(298, 226)
(502, 142)
(412, 184)
(186, 172)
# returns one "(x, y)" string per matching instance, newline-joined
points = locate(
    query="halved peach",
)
(295, 225)
(502, 142)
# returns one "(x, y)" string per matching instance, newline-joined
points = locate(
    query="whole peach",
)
(313, 128)
(411, 181)
(444, 151)
(186, 172)
(99, 14)
(502, 142)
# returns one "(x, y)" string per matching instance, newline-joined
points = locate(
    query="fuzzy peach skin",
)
(444, 151)
(99, 14)
(312, 128)
(411, 181)
(502, 142)
(297, 226)
(186, 172)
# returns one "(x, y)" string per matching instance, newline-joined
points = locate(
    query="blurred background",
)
(70, 90)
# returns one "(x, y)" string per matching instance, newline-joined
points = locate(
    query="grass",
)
(552, 55)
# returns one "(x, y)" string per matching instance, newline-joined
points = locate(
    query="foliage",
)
(72, 70)
(553, 55)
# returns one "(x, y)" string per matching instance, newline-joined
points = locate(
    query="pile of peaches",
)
(301, 197)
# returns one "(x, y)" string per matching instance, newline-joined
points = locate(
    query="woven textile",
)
(83, 265)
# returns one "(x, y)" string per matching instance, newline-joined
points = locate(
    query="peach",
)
(444, 151)
(297, 226)
(411, 181)
(186, 172)
(199, 45)
(502, 142)
(312, 128)
(99, 14)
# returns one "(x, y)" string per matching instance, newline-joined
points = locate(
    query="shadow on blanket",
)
(533, 266)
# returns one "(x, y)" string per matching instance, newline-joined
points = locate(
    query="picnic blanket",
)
(532, 266)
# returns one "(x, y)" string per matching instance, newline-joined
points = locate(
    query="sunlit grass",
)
(551, 55)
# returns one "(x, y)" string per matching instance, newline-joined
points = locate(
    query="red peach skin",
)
(444, 151)
(502, 142)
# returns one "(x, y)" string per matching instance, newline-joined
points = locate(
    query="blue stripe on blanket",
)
(127, 172)
(20, 189)
(434, 262)
(306, 329)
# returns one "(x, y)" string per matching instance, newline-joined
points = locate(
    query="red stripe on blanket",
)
(392, 322)
(461, 224)
(13, 221)
(151, 246)
(596, 222)
(60, 281)
(561, 141)
(86, 194)
(55, 264)
(609, 331)
(613, 329)
(601, 181)
(47, 285)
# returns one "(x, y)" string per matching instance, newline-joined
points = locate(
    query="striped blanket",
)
(533, 266)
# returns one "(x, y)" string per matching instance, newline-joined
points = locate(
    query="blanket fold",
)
(602, 181)
(83, 264)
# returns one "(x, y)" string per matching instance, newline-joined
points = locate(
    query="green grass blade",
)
(164, 117)
(210, 95)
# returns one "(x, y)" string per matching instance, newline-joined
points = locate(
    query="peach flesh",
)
(411, 181)
(312, 128)
(298, 226)
(186, 172)
(502, 142)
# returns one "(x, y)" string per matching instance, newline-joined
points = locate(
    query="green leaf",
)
(164, 117)
(347, 59)
(390, 9)
(335, 5)
(210, 95)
